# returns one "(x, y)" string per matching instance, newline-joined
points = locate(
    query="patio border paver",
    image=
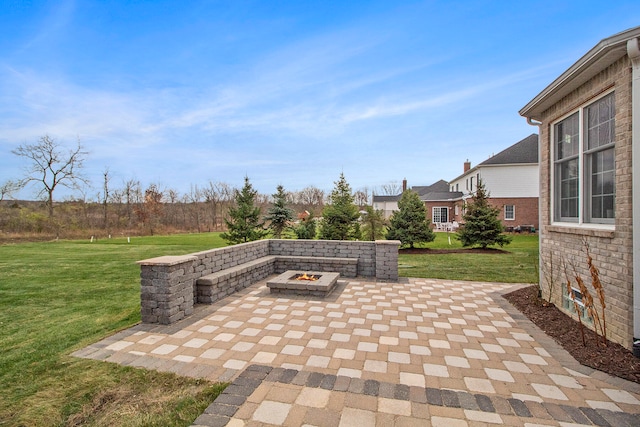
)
(223, 409)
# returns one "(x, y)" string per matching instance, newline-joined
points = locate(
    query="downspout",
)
(633, 50)
(532, 122)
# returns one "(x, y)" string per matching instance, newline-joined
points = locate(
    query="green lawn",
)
(58, 297)
(516, 264)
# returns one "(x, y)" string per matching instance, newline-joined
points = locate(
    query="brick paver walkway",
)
(418, 352)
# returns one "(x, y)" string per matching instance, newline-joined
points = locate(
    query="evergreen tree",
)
(279, 215)
(410, 224)
(307, 228)
(481, 224)
(340, 216)
(373, 224)
(243, 224)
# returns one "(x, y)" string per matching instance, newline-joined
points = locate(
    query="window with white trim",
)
(509, 212)
(584, 164)
(439, 214)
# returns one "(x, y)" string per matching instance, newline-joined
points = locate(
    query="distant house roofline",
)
(521, 153)
(442, 196)
(438, 186)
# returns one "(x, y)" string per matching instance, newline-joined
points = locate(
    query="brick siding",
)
(611, 250)
(526, 210)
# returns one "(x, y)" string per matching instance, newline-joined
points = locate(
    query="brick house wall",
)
(526, 210)
(444, 204)
(611, 249)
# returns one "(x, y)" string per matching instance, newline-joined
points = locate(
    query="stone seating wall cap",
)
(388, 242)
(168, 260)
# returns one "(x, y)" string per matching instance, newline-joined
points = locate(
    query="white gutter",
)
(633, 50)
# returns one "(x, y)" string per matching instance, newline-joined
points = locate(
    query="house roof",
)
(525, 151)
(605, 53)
(439, 189)
(439, 186)
(435, 196)
(385, 198)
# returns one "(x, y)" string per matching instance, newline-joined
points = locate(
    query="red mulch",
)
(612, 359)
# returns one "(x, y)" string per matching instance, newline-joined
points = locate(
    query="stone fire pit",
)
(293, 282)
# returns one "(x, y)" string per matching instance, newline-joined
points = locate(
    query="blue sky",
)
(285, 92)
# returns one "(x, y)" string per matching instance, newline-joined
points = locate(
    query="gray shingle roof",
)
(435, 196)
(439, 186)
(385, 198)
(437, 191)
(525, 151)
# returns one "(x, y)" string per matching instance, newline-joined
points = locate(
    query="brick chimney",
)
(467, 166)
(404, 185)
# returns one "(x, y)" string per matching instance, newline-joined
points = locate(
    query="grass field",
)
(516, 264)
(58, 297)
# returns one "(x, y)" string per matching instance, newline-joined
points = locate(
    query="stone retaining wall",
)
(168, 284)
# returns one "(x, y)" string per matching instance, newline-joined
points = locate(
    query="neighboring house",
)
(387, 204)
(438, 200)
(511, 178)
(589, 122)
(442, 204)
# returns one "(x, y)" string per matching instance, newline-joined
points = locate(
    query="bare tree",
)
(7, 188)
(361, 197)
(173, 206)
(392, 188)
(105, 198)
(216, 195)
(132, 196)
(52, 167)
(150, 211)
(312, 198)
(194, 198)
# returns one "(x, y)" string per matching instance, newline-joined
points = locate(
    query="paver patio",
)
(417, 352)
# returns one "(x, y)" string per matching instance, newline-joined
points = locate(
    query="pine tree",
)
(410, 224)
(307, 228)
(481, 224)
(373, 224)
(340, 216)
(279, 215)
(243, 224)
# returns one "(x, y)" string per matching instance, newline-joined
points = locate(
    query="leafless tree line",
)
(129, 208)
(132, 209)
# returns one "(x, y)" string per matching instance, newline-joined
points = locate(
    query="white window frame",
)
(584, 175)
(440, 209)
(512, 217)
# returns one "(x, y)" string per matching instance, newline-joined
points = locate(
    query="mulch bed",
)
(612, 359)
